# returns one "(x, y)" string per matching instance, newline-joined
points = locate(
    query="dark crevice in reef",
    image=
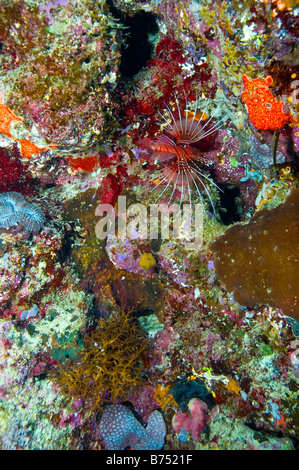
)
(229, 210)
(140, 31)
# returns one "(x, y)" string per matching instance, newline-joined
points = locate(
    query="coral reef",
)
(113, 288)
(28, 396)
(124, 326)
(59, 67)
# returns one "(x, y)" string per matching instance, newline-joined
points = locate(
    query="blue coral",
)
(14, 209)
(120, 429)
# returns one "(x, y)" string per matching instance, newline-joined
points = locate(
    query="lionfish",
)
(177, 148)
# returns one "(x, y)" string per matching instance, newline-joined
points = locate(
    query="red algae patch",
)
(259, 261)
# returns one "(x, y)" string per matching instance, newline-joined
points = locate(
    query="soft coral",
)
(166, 79)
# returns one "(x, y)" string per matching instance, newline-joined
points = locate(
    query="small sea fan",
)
(14, 209)
(178, 148)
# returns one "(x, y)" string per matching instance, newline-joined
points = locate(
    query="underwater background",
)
(111, 342)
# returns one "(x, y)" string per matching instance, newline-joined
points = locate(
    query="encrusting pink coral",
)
(193, 422)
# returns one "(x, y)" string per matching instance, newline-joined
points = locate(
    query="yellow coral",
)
(233, 387)
(163, 396)
(147, 261)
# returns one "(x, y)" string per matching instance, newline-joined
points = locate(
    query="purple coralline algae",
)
(120, 430)
(194, 422)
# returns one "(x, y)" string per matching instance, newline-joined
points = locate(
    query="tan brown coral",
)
(259, 261)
